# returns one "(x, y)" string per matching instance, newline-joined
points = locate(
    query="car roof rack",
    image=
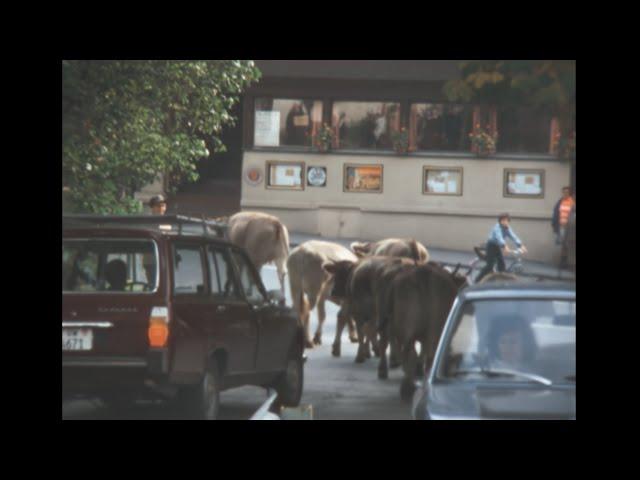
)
(166, 224)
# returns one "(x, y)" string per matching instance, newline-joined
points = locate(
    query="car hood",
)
(482, 401)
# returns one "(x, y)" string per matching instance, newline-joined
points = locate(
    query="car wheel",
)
(289, 385)
(202, 401)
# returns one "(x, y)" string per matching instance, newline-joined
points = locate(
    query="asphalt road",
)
(337, 388)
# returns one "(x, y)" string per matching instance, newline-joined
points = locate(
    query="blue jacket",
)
(499, 234)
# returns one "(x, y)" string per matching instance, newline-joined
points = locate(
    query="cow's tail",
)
(282, 236)
(296, 275)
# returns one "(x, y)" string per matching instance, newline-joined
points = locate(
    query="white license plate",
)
(77, 339)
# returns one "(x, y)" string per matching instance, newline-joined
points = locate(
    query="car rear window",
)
(109, 265)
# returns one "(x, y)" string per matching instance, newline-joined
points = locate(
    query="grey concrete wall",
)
(456, 222)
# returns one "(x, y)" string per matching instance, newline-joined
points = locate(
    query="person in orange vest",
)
(561, 213)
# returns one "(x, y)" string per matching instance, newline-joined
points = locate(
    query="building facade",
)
(366, 186)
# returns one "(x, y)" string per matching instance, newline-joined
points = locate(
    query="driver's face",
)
(510, 347)
(159, 209)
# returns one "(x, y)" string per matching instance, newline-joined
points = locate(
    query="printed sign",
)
(286, 175)
(437, 181)
(524, 183)
(363, 178)
(317, 176)
(266, 132)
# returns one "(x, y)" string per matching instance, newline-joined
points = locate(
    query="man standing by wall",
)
(561, 213)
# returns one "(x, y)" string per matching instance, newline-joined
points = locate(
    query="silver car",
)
(508, 351)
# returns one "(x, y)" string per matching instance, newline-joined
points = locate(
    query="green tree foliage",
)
(543, 84)
(126, 122)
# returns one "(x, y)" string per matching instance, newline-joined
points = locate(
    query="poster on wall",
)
(267, 129)
(363, 178)
(285, 175)
(317, 176)
(524, 183)
(441, 181)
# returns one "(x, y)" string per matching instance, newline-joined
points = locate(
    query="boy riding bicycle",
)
(496, 245)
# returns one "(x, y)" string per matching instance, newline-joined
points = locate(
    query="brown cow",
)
(419, 302)
(359, 285)
(308, 278)
(384, 314)
(264, 237)
(393, 247)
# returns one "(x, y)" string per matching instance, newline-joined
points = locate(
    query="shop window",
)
(365, 125)
(285, 122)
(524, 130)
(436, 126)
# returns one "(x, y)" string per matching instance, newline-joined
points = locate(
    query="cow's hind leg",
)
(353, 334)
(342, 319)
(383, 371)
(410, 361)
(317, 338)
(363, 340)
(394, 354)
(373, 338)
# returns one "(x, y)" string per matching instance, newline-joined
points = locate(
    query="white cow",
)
(311, 285)
(264, 237)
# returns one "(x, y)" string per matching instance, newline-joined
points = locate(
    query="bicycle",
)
(516, 266)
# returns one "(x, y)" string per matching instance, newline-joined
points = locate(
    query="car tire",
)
(202, 401)
(290, 383)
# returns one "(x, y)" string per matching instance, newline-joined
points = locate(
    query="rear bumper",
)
(104, 362)
(92, 375)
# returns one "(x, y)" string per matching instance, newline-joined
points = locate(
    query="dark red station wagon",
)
(162, 306)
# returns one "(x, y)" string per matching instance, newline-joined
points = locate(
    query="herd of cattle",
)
(389, 293)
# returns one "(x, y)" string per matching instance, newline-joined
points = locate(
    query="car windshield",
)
(517, 340)
(109, 266)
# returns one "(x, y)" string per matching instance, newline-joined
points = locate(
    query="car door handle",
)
(221, 308)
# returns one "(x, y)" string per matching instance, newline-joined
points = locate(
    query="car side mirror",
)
(276, 297)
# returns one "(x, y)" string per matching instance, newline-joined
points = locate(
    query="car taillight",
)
(158, 327)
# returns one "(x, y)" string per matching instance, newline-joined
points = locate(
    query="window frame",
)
(298, 148)
(405, 102)
(181, 243)
(254, 272)
(549, 140)
(435, 167)
(99, 273)
(210, 249)
(471, 106)
(370, 151)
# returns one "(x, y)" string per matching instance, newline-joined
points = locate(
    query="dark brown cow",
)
(359, 286)
(392, 247)
(420, 298)
(384, 312)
